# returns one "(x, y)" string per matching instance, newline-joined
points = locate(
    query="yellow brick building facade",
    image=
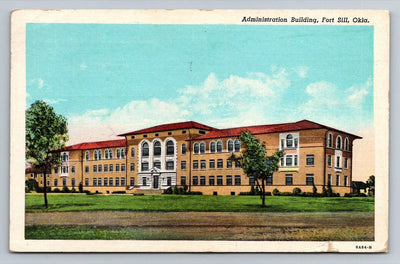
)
(195, 155)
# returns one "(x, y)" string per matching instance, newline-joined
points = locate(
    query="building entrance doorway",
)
(155, 181)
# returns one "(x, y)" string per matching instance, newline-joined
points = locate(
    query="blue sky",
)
(117, 78)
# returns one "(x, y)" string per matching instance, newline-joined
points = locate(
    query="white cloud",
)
(357, 93)
(40, 83)
(302, 71)
(53, 101)
(83, 66)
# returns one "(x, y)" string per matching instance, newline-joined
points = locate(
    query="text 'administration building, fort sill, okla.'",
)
(196, 155)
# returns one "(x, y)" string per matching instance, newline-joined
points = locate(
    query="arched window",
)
(230, 145)
(339, 142)
(106, 156)
(122, 153)
(118, 153)
(170, 147)
(95, 155)
(64, 157)
(196, 149)
(237, 145)
(157, 148)
(110, 153)
(99, 153)
(219, 146)
(329, 140)
(346, 143)
(289, 141)
(145, 149)
(87, 155)
(212, 147)
(202, 147)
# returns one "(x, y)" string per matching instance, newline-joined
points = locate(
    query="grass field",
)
(179, 203)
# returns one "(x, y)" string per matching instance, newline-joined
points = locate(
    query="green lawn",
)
(198, 203)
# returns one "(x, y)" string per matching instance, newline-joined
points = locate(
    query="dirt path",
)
(220, 225)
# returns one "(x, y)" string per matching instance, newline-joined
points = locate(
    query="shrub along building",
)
(197, 156)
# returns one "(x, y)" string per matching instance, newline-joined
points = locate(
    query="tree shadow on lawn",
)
(39, 207)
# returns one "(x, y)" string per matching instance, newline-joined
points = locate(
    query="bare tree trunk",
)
(45, 190)
(263, 192)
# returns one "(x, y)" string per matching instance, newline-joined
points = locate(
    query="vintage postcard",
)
(199, 131)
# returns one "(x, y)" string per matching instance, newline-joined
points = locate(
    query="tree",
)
(371, 185)
(256, 163)
(45, 132)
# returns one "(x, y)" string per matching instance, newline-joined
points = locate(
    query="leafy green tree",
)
(371, 185)
(256, 163)
(45, 132)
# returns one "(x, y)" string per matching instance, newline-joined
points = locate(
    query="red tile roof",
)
(172, 126)
(262, 129)
(34, 169)
(96, 145)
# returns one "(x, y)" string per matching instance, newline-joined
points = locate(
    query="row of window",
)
(145, 166)
(338, 142)
(231, 146)
(64, 182)
(108, 154)
(338, 162)
(64, 169)
(144, 181)
(169, 148)
(107, 181)
(212, 180)
(211, 164)
(290, 142)
(107, 168)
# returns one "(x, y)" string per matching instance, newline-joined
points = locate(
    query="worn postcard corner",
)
(199, 131)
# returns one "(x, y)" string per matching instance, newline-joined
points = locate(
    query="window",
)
(289, 160)
(230, 145)
(252, 181)
(329, 179)
(219, 180)
(309, 179)
(238, 180)
(202, 147)
(87, 155)
(132, 182)
(195, 180)
(211, 180)
(145, 166)
(338, 165)
(117, 181)
(65, 157)
(339, 142)
(118, 153)
(170, 165)
(183, 165)
(337, 180)
(202, 180)
(105, 181)
(86, 169)
(310, 160)
(195, 164)
(183, 180)
(237, 145)
(110, 153)
(157, 148)
(122, 153)
(220, 164)
(64, 169)
(269, 180)
(289, 179)
(346, 143)
(228, 163)
(86, 181)
(117, 167)
(94, 181)
(99, 182)
(237, 165)
(345, 181)
(122, 167)
(211, 164)
(111, 167)
(346, 163)
(111, 182)
(170, 147)
(55, 182)
(329, 140)
(100, 168)
(219, 146)
(329, 160)
(123, 182)
(289, 141)
(203, 164)
(132, 166)
(157, 164)
(212, 147)
(94, 168)
(228, 180)
(183, 149)
(95, 155)
(296, 142)
(132, 152)
(169, 181)
(145, 149)
(73, 169)
(105, 168)
(56, 170)
(196, 148)
(295, 160)
(106, 156)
